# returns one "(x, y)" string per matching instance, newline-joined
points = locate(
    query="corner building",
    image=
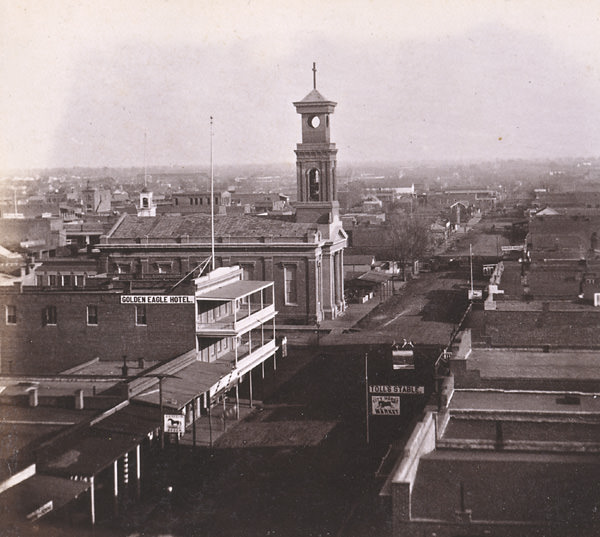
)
(302, 255)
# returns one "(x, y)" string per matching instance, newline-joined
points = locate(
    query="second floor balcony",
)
(235, 308)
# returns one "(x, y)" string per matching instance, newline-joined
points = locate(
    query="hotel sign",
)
(157, 299)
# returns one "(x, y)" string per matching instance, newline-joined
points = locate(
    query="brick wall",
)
(29, 347)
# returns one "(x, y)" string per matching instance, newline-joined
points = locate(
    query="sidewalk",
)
(209, 431)
(307, 334)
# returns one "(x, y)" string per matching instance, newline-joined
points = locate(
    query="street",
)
(298, 465)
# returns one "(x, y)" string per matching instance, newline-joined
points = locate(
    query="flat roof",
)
(558, 489)
(469, 428)
(234, 290)
(504, 363)
(507, 401)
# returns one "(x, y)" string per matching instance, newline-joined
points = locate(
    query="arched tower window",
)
(314, 184)
(144, 202)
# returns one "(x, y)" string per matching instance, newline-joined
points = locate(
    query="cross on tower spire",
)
(314, 70)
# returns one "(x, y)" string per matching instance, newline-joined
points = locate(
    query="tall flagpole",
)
(212, 199)
(145, 161)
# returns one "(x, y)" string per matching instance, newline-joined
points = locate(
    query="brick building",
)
(45, 330)
(303, 255)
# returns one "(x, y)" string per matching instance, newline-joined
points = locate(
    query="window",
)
(39, 280)
(92, 315)
(52, 280)
(79, 280)
(66, 280)
(140, 315)
(11, 314)
(314, 189)
(49, 316)
(290, 277)
(164, 267)
(247, 271)
(123, 268)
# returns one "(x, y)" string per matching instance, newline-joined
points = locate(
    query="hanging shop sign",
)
(174, 423)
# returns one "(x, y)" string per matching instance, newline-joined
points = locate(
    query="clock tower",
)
(316, 160)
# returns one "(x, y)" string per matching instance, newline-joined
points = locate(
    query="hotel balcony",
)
(246, 357)
(236, 308)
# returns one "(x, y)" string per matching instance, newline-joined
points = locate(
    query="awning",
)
(193, 380)
(31, 498)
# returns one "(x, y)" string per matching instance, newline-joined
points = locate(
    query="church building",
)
(303, 255)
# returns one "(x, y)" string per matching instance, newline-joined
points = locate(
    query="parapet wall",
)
(421, 442)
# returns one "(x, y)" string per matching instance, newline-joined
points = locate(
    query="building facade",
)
(303, 255)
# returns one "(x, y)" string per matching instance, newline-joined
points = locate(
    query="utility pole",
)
(212, 198)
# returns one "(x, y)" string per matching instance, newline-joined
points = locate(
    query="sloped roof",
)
(315, 97)
(171, 226)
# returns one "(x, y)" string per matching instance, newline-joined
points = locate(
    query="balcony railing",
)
(240, 320)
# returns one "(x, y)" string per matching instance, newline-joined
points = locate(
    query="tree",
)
(411, 239)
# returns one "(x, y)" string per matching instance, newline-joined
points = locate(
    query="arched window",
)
(314, 184)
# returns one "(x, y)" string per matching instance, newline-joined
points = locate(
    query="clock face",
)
(314, 121)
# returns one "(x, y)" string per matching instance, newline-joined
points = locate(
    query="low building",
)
(517, 459)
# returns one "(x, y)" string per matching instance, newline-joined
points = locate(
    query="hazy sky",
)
(82, 81)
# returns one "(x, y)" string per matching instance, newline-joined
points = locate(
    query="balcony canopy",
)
(239, 289)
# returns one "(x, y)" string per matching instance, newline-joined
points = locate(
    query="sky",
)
(84, 83)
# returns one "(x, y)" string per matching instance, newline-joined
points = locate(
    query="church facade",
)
(302, 255)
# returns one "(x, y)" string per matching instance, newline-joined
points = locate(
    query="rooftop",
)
(198, 226)
(570, 484)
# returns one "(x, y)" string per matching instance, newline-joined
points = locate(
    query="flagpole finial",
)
(314, 70)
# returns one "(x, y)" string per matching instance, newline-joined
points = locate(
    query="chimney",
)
(79, 400)
(141, 363)
(33, 397)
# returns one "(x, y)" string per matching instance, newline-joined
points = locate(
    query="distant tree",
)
(411, 239)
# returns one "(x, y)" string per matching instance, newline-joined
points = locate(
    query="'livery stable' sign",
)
(393, 389)
(157, 299)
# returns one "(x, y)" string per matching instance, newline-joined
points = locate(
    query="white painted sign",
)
(403, 359)
(157, 299)
(385, 405)
(41, 511)
(396, 389)
(174, 423)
